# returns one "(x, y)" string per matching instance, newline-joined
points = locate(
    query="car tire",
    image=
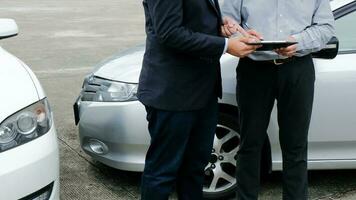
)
(226, 144)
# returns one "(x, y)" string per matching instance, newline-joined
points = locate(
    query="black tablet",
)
(271, 45)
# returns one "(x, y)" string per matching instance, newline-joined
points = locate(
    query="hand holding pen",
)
(231, 28)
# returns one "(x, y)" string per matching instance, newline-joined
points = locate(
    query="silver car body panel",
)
(122, 127)
(125, 69)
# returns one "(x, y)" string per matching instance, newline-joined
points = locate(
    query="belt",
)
(280, 61)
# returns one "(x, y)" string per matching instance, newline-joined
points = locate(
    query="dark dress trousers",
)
(179, 85)
(260, 84)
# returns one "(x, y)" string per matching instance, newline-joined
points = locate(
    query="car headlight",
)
(25, 125)
(102, 90)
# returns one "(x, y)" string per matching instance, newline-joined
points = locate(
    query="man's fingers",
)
(256, 34)
(292, 48)
(229, 22)
(227, 30)
(232, 29)
(250, 48)
(223, 31)
(286, 53)
(239, 48)
(290, 51)
(246, 40)
(230, 25)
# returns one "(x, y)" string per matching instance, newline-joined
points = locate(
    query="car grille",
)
(90, 88)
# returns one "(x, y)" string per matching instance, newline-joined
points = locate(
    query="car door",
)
(333, 127)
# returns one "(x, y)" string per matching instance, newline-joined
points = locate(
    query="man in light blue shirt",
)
(286, 75)
(309, 22)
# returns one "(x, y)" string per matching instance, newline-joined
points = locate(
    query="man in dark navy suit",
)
(179, 85)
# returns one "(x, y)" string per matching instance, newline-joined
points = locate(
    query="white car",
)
(29, 158)
(113, 127)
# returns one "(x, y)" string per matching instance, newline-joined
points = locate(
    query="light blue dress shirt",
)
(310, 22)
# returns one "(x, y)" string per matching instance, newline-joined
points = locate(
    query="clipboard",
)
(272, 45)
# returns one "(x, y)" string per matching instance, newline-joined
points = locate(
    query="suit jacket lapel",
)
(218, 11)
(214, 6)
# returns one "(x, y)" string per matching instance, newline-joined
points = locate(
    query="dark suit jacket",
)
(181, 69)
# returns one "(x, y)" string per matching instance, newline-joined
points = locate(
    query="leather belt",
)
(281, 61)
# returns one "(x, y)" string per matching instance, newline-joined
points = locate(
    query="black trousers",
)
(260, 84)
(181, 144)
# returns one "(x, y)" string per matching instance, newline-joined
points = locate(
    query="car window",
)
(346, 32)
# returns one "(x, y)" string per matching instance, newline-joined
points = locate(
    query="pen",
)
(248, 27)
(242, 31)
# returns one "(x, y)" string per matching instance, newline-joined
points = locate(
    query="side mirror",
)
(330, 51)
(8, 28)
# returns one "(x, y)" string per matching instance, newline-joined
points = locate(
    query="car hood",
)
(124, 67)
(17, 87)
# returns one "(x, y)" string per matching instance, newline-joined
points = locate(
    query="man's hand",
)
(288, 51)
(254, 34)
(229, 28)
(238, 47)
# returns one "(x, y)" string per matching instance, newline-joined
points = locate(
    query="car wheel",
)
(220, 181)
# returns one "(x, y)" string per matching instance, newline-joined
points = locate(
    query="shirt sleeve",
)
(315, 37)
(232, 8)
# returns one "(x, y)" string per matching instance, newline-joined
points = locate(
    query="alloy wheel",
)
(221, 170)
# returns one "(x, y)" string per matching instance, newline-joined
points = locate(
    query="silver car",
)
(113, 127)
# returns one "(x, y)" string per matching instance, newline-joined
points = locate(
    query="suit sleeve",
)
(167, 20)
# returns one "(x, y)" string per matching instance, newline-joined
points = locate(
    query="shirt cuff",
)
(226, 45)
(299, 39)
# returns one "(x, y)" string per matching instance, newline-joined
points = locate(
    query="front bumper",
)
(121, 127)
(31, 167)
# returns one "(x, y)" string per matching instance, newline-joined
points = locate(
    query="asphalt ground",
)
(62, 41)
